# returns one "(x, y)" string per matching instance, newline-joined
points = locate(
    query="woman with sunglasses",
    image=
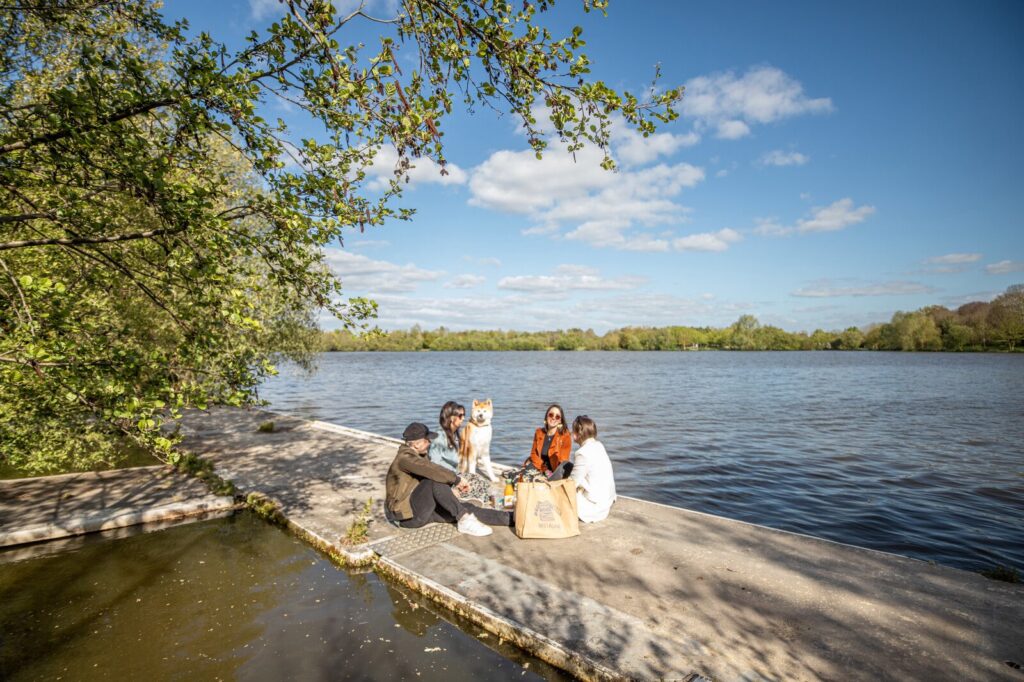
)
(444, 450)
(552, 444)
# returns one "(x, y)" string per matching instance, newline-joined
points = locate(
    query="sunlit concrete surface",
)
(653, 592)
(50, 507)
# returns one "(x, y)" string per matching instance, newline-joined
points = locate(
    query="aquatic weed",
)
(1007, 574)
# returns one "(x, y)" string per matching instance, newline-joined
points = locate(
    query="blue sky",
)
(834, 163)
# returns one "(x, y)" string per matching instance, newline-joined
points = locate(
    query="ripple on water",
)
(912, 453)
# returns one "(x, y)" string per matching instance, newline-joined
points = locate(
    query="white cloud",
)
(465, 282)
(539, 309)
(568, 278)
(707, 241)
(602, 208)
(828, 289)
(722, 173)
(367, 243)
(361, 274)
(954, 259)
(731, 104)
(633, 149)
(421, 171)
(957, 301)
(732, 130)
(1004, 267)
(517, 182)
(263, 9)
(781, 158)
(486, 261)
(836, 216)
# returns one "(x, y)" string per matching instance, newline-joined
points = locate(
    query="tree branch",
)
(106, 120)
(77, 241)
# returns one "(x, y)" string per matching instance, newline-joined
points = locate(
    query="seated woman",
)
(418, 492)
(444, 450)
(552, 444)
(592, 472)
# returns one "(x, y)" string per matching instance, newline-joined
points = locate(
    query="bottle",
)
(510, 494)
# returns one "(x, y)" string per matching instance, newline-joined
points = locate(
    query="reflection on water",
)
(226, 599)
(918, 454)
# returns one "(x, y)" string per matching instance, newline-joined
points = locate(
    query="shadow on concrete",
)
(655, 591)
(745, 602)
(321, 479)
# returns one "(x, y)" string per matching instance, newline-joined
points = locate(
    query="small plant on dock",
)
(1007, 574)
(265, 508)
(188, 463)
(266, 427)
(359, 531)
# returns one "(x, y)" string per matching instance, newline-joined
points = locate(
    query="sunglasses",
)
(555, 416)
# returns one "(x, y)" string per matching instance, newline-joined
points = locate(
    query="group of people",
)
(423, 485)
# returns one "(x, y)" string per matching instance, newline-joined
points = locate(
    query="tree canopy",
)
(161, 241)
(976, 326)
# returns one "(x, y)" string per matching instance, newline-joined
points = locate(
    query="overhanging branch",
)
(78, 241)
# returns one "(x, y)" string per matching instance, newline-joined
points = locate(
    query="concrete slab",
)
(654, 592)
(50, 507)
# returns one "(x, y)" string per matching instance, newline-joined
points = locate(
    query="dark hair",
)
(584, 428)
(561, 425)
(448, 410)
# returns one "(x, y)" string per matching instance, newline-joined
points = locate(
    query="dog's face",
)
(482, 411)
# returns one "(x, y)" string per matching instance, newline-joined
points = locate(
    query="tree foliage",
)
(161, 241)
(973, 326)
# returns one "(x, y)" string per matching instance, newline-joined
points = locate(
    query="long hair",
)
(448, 410)
(562, 428)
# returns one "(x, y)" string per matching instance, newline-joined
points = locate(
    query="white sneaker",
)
(470, 525)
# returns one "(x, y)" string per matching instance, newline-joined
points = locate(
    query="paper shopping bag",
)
(547, 509)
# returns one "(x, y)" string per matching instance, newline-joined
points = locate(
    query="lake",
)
(917, 454)
(230, 599)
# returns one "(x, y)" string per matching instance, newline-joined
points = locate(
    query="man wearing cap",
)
(420, 492)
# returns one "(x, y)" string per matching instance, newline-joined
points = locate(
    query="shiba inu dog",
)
(476, 440)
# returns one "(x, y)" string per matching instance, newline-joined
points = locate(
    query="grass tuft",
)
(359, 531)
(1008, 574)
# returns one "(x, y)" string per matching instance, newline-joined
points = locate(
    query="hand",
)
(462, 487)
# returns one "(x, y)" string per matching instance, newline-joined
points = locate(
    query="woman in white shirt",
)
(592, 472)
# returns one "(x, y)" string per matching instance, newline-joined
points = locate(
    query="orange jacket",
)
(561, 447)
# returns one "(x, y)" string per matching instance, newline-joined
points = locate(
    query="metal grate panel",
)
(408, 540)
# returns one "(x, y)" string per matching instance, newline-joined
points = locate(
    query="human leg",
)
(492, 517)
(561, 471)
(433, 502)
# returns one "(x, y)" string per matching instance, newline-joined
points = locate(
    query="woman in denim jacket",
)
(444, 450)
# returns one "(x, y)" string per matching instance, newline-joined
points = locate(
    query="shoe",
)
(470, 525)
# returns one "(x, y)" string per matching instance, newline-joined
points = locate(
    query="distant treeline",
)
(977, 326)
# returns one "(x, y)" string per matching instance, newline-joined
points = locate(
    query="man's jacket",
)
(405, 473)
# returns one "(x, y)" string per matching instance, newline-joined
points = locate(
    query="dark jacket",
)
(561, 447)
(405, 473)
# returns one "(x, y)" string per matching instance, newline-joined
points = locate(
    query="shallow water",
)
(918, 454)
(231, 599)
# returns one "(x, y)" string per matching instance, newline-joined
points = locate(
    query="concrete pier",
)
(653, 592)
(52, 507)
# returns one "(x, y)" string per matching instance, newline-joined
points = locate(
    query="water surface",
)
(918, 454)
(231, 599)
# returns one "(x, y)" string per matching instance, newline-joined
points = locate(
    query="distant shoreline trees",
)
(977, 326)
